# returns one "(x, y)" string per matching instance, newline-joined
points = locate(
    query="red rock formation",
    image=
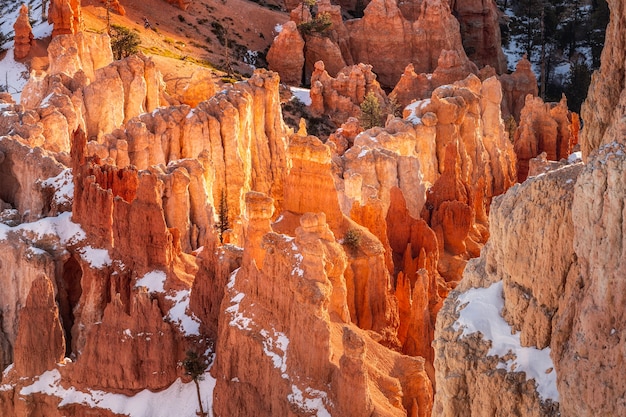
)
(65, 16)
(286, 55)
(387, 38)
(115, 6)
(388, 41)
(515, 88)
(136, 347)
(605, 88)
(23, 34)
(38, 349)
(544, 127)
(451, 67)
(340, 97)
(480, 31)
(293, 365)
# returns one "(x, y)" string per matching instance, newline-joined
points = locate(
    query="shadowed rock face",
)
(564, 292)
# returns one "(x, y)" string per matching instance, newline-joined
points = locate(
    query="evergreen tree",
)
(222, 220)
(124, 42)
(195, 365)
(371, 111)
(577, 85)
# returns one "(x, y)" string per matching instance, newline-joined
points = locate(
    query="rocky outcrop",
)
(238, 136)
(480, 31)
(602, 123)
(132, 345)
(573, 216)
(340, 97)
(387, 37)
(286, 54)
(451, 67)
(23, 34)
(291, 365)
(388, 41)
(65, 16)
(21, 169)
(529, 305)
(38, 349)
(515, 88)
(544, 127)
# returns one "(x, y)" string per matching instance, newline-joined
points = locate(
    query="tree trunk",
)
(202, 413)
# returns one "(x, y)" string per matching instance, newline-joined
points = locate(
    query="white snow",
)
(12, 73)
(575, 157)
(189, 324)
(154, 281)
(480, 312)
(237, 318)
(302, 94)
(64, 186)
(277, 341)
(278, 28)
(61, 225)
(178, 400)
(97, 258)
(311, 403)
(413, 109)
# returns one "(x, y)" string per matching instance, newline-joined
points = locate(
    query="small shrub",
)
(124, 42)
(371, 111)
(352, 239)
(319, 24)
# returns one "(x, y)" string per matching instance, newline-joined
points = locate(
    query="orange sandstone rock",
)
(23, 34)
(65, 16)
(38, 349)
(544, 127)
(286, 54)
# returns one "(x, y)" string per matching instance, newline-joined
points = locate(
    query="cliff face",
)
(569, 316)
(387, 37)
(601, 111)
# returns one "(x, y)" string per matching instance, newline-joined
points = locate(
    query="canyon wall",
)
(560, 295)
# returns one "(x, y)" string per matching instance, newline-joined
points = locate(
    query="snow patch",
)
(154, 281)
(97, 258)
(479, 312)
(63, 185)
(310, 402)
(575, 157)
(189, 324)
(302, 94)
(178, 400)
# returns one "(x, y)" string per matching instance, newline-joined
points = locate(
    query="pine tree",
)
(195, 365)
(371, 111)
(222, 220)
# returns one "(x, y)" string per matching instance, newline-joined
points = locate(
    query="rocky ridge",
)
(224, 200)
(572, 214)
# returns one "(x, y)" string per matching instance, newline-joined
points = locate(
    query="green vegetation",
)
(320, 24)
(371, 111)
(222, 217)
(195, 365)
(124, 42)
(352, 239)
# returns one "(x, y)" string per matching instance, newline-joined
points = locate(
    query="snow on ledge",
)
(479, 311)
(302, 94)
(178, 400)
